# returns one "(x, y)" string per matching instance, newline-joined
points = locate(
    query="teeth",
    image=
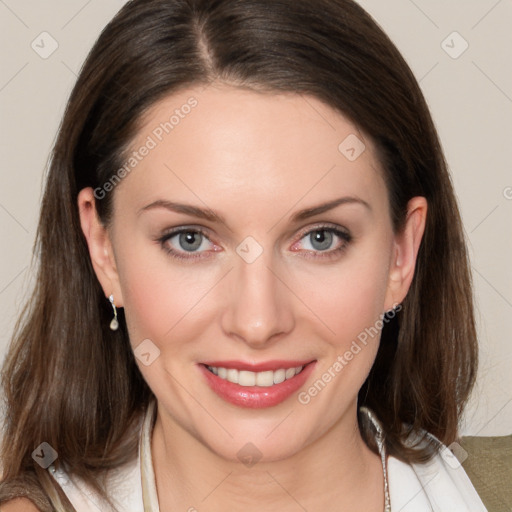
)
(290, 372)
(246, 378)
(232, 376)
(263, 379)
(279, 376)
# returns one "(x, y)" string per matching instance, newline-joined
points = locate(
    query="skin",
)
(256, 159)
(19, 505)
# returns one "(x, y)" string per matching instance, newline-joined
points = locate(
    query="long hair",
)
(72, 382)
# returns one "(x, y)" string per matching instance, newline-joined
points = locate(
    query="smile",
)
(247, 378)
(256, 386)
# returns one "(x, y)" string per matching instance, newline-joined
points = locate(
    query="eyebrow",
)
(324, 207)
(212, 216)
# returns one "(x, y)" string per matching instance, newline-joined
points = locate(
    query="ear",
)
(100, 245)
(405, 251)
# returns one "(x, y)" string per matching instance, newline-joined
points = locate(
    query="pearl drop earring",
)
(114, 324)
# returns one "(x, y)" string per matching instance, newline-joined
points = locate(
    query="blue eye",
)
(192, 243)
(321, 240)
(189, 241)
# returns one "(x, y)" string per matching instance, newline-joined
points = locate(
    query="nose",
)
(258, 310)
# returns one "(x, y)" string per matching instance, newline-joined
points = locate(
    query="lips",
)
(256, 386)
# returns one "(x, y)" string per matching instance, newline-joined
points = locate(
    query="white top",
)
(440, 485)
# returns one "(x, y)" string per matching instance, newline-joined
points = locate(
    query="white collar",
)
(149, 493)
(437, 486)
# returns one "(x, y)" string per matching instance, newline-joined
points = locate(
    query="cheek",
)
(169, 300)
(179, 307)
(351, 306)
(159, 295)
(350, 296)
(349, 299)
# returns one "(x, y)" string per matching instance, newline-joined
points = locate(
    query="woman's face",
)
(286, 259)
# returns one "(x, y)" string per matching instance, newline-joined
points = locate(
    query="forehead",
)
(244, 149)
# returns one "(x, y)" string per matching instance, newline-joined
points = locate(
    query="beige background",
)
(469, 92)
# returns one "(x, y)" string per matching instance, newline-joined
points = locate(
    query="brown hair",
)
(72, 382)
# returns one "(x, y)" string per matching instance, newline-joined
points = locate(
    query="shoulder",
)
(23, 493)
(441, 481)
(19, 505)
(122, 485)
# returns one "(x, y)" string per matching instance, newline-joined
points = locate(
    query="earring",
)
(114, 324)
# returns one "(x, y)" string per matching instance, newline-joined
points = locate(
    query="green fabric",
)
(488, 463)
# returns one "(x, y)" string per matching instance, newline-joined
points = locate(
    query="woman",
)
(253, 291)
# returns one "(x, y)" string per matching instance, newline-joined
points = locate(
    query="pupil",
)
(323, 238)
(188, 238)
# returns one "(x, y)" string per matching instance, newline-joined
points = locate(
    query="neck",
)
(335, 472)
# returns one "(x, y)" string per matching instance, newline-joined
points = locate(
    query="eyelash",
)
(343, 235)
